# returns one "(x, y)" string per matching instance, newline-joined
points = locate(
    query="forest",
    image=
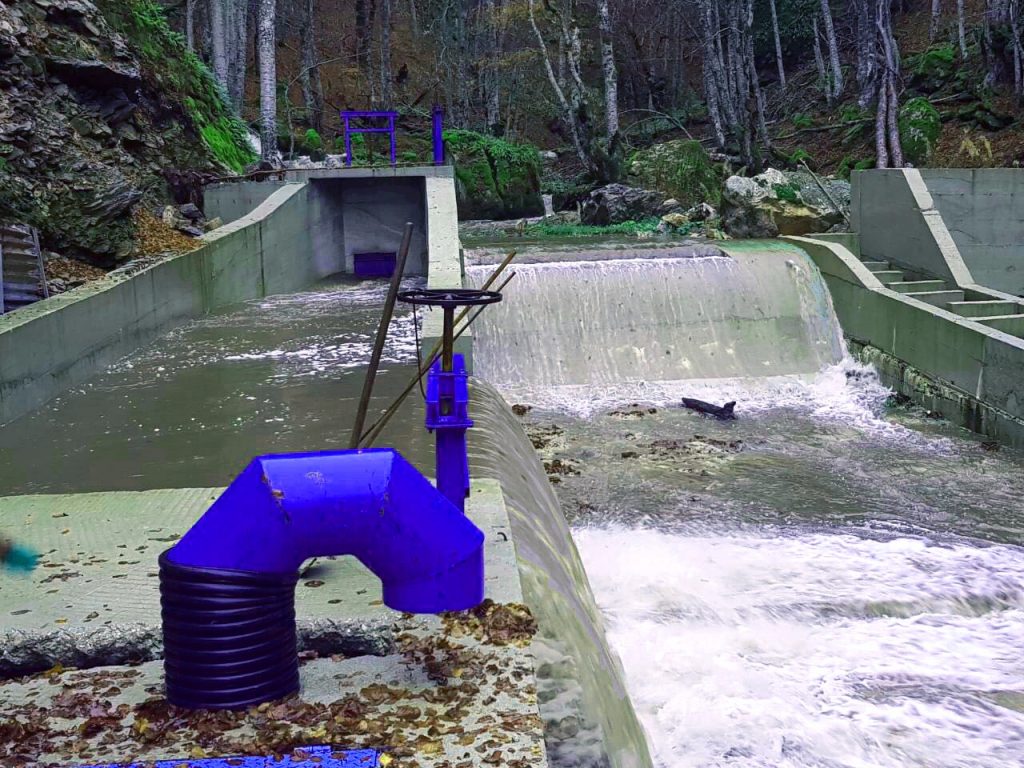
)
(842, 84)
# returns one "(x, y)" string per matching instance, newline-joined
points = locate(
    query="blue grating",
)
(306, 757)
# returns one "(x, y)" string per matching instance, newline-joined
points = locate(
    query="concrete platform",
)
(455, 689)
(95, 598)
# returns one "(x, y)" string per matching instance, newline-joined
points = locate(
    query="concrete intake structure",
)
(228, 587)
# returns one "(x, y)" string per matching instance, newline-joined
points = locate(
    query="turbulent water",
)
(826, 582)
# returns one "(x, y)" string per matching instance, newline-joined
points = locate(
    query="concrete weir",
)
(497, 685)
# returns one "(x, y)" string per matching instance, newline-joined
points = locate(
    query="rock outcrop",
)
(616, 203)
(681, 169)
(97, 103)
(494, 179)
(775, 203)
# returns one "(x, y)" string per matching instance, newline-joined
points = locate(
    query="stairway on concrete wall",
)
(1005, 316)
(22, 278)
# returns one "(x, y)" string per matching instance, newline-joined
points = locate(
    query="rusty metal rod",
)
(382, 336)
(374, 431)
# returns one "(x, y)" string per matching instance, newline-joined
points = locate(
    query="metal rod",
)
(382, 335)
(374, 431)
(448, 339)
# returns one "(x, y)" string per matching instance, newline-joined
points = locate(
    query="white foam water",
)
(815, 649)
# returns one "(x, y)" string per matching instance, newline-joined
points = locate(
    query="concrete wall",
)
(895, 220)
(234, 200)
(281, 237)
(982, 210)
(58, 343)
(977, 370)
(898, 219)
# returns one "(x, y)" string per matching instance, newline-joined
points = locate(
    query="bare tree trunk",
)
(1018, 85)
(218, 35)
(712, 62)
(833, 49)
(491, 85)
(236, 15)
(611, 77)
(190, 24)
(778, 44)
(881, 143)
(819, 61)
(563, 102)
(312, 88)
(414, 22)
(961, 35)
(386, 79)
(933, 23)
(268, 81)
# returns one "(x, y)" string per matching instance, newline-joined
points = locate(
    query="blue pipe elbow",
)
(373, 504)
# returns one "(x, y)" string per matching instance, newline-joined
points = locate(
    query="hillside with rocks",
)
(103, 110)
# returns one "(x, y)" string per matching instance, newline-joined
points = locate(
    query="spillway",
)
(826, 582)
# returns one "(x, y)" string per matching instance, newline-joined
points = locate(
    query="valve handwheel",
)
(448, 299)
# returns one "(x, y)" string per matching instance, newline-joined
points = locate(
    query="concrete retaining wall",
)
(281, 236)
(61, 342)
(977, 370)
(982, 210)
(917, 220)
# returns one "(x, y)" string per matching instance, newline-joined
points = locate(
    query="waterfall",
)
(751, 312)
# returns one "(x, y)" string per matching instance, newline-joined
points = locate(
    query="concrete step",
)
(938, 298)
(919, 286)
(1011, 324)
(984, 308)
(877, 266)
(889, 276)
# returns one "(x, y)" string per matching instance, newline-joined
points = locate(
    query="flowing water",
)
(825, 582)
(278, 374)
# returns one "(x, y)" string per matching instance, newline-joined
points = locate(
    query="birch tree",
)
(568, 112)
(933, 22)
(611, 77)
(778, 44)
(833, 49)
(312, 87)
(960, 33)
(267, 41)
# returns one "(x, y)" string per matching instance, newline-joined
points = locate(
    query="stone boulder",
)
(775, 203)
(494, 178)
(680, 169)
(616, 203)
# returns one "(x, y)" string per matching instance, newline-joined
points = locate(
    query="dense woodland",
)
(590, 76)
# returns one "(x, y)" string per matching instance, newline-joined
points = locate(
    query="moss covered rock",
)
(494, 179)
(920, 127)
(681, 169)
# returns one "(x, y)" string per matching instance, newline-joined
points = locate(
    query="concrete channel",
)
(496, 686)
(501, 685)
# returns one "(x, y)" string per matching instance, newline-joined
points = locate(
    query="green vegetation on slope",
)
(495, 179)
(182, 77)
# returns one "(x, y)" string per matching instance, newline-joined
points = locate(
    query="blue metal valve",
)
(447, 407)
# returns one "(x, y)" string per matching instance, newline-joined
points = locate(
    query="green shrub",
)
(681, 169)
(494, 178)
(312, 141)
(787, 192)
(933, 68)
(561, 229)
(920, 126)
(799, 155)
(801, 120)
